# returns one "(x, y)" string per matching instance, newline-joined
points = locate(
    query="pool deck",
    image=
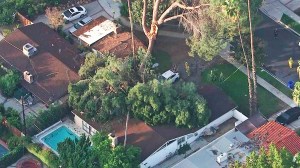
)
(67, 123)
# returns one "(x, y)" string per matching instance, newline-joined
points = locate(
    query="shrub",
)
(12, 156)
(13, 118)
(15, 141)
(45, 155)
(9, 83)
(48, 117)
(124, 9)
(6, 32)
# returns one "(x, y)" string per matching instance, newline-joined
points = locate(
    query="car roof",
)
(293, 110)
(75, 9)
(167, 74)
(86, 20)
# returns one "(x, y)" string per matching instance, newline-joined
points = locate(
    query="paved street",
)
(279, 50)
(94, 9)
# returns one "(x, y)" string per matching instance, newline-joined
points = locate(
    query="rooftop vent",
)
(28, 77)
(221, 158)
(29, 50)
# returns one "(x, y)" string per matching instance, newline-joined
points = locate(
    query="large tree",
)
(273, 158)
(79, 153)
(106, 81)
(161, 102)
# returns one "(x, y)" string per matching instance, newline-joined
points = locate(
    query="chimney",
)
(28, 77)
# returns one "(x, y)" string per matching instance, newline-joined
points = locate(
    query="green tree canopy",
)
(81, 154)
(161, 102)
(273, 158)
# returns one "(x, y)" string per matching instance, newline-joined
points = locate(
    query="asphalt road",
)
(279, 50)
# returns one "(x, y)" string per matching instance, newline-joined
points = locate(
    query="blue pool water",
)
(58, 136)
(3, 151)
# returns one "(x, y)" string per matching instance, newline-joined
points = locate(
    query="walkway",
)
(275, 9)
(224, 54)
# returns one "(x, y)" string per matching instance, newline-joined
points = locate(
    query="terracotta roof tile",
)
(277, 134)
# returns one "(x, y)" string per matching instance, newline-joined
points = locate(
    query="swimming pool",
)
(57, 136)
(3, 151)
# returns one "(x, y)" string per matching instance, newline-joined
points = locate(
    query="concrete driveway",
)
(294, 125)
(94, 10)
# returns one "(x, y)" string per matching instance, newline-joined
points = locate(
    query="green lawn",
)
(235, 85)
(163, 59)
(270, 79)
(290, 22)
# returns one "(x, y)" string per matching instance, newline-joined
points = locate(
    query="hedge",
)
(47, 118)
(12, 157)
(45, 155)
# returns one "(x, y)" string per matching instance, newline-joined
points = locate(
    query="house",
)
(95, 30)
(102, 35)
(139, 134)
(279, 135)
(46, 61)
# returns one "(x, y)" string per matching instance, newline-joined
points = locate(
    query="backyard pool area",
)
(59, 135)
(3, 150)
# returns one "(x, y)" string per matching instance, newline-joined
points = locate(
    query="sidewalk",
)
(224, 54)
(274, 9)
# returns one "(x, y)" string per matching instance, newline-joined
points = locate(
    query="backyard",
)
(234, 83)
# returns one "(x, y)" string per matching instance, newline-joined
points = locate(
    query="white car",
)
(74, 13)
(171, 76)
(80, 24)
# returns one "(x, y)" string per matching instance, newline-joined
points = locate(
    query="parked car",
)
(288, 116)
(80, 24)
(74, 13)
(170, 75)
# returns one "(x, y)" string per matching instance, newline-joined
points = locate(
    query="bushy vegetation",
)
(112, 86)
(11, 116)
(12, 156)
(161, 102)
(46, 118)
(9, 83)
(273, 158)
(45, 155)
(79, 153)
(26, 7)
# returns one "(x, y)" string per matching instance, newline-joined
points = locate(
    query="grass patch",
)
(163, 59)
(274, 82)
(290, 22)
(235, 85)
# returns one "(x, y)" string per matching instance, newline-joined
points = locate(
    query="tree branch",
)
(173, 6)
(155, 10)
(145, 28)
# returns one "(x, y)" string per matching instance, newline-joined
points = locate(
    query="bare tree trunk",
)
(250, 89)
(253, 63)
(150, 46)
(131, 27)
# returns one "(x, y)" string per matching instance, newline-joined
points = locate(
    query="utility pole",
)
(23, 112)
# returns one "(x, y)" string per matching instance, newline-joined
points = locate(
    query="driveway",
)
(279, 50)
(94, 10)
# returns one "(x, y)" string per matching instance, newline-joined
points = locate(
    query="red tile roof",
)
(277, 134)
(53, 67)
